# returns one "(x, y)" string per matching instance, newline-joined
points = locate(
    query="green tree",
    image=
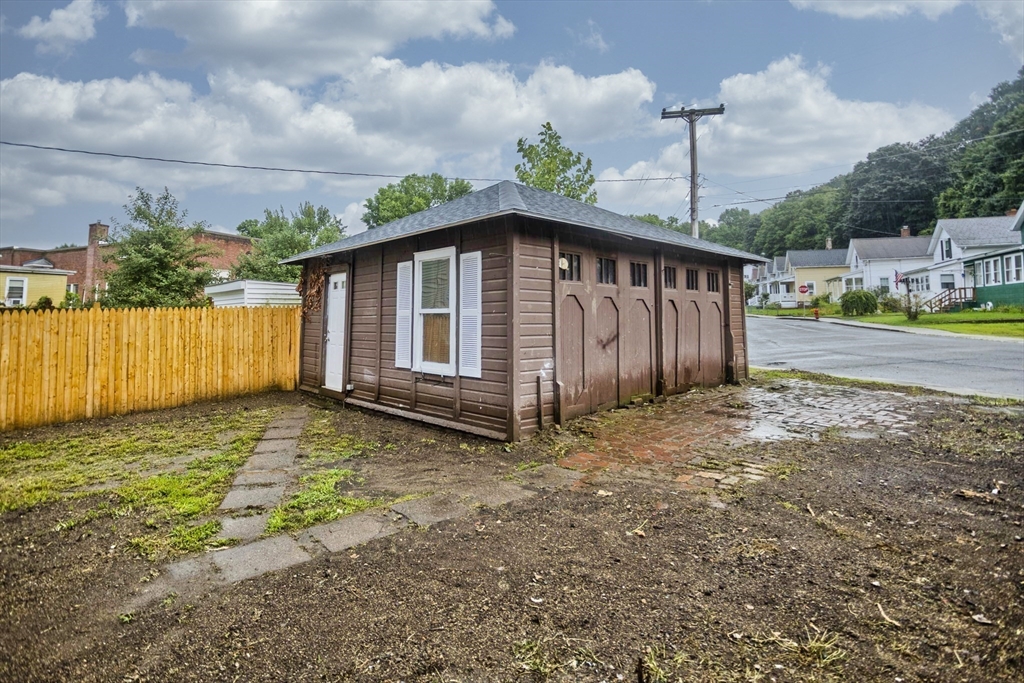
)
(736, 228)
(554, 167)
(279, 236)
(411, 194)
(671, 223)
(157, 261)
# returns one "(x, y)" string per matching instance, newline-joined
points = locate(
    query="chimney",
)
(1011, 213)
(98, 232)
(905, 231)
(828, 242)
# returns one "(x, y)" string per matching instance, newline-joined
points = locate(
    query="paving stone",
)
(241, 498)
(288, 422)
(550, 477)
(243, 528)
(432, 509)
(498, 493)
(291, 432)
(269, 461)
(352, 531)
(277, 447)
(254, 477)
(246, 561)
(188, 569)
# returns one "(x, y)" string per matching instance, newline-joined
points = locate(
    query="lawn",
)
(992, 323)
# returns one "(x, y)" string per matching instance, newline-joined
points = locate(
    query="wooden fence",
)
(63, 365)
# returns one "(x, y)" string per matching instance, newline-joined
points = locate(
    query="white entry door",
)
(334, 346)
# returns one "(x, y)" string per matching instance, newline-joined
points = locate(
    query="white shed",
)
(253, 293)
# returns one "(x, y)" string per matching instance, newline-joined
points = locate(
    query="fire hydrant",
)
(816, 314)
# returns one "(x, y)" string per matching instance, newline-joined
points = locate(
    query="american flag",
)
(899, 277)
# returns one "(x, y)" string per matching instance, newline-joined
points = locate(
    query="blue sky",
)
(408, 87)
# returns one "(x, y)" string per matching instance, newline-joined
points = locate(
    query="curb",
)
(893, 328)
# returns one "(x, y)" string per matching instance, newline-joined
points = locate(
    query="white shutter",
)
(469, 314)
(403, 317)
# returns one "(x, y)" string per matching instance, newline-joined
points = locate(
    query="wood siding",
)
(536, 329)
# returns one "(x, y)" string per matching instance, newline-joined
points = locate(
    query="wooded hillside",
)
(976, 168)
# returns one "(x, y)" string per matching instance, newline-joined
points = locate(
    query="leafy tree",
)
(277, 236)
(858, 302)
(671, 223)
(411, 194)
(552, 166)
(736, 228)
(158, 262)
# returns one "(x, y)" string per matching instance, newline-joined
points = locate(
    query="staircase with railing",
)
(948, 298)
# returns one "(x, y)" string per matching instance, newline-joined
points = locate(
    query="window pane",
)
(436, 337)
(434, 292)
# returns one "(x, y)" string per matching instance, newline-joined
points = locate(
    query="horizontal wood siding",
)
(312, 348)
(373, 277)
(536, 328)
(738, 321)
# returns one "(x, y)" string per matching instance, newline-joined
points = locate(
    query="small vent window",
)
(670, 277)
(571, 272)
(606, 271)
(713, 281)
(692, 279)
(637, 274)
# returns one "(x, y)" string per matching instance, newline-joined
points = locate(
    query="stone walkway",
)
(674, 441)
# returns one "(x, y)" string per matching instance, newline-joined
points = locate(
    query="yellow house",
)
(810, 269)
(24, 285)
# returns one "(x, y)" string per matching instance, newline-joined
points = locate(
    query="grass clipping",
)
(317, 502)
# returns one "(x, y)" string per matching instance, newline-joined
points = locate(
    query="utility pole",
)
(691, 116)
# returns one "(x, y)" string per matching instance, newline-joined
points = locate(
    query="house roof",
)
(39, 263)
(36, 270)
(816, 258)
(992, 231)
(507, 198)
(891, 247)
(1018, 221)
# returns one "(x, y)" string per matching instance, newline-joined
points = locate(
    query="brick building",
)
(87, 262)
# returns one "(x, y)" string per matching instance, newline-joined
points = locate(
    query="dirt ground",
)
(896, 558)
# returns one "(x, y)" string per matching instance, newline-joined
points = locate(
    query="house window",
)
(606, 271)
(991, 271)
(851, 284)
(72, 287)
(713, 281)
(947, 281)
(670, 277)
(426, 312)
(810, 287)
(692, 279)
(571, 272)
(16, 291)
(947, 249)
(883, 285)
(637, 274)
(1013, 267)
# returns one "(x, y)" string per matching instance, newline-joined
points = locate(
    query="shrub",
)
(911, 306)
(890, 303)
(45, 303)
(821, 300)
(774, 306)
(858, 302)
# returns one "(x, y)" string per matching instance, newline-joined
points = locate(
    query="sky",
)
(392, 88)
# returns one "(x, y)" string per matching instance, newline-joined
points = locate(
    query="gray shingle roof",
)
(992, 231)
(891, 247)
(512, 198)
(816, 258)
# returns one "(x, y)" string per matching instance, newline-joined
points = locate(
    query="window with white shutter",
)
(403, 317)
(469, 314)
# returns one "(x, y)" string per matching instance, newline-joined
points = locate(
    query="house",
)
(872, 264)
(253, 293)
(512, 308)
(25, 285)
(810, 270)
(86, 263)
(955, 242)
(997, 275)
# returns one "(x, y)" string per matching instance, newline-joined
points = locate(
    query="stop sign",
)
(803, 289)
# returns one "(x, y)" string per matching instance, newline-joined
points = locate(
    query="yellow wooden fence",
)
(63, 365)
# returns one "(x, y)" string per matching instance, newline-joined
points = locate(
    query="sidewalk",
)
(894, 328)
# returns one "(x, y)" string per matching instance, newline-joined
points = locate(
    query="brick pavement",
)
(689, 438)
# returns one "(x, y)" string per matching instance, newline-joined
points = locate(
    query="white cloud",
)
(782, 120)
(297, 43)
(589, 35)
(66, 26)
(1005, 16)
(352, 219)
(878, 9)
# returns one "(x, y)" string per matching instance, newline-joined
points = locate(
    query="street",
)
(967, 365)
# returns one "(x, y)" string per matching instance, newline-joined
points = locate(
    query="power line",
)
(692, 116)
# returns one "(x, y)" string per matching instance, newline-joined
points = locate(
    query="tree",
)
(736, 228)
(158, 262)
(277, 236)
(554, 167)
(411, 194)
(670, 223)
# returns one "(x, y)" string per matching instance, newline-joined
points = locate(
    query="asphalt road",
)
(961, 365)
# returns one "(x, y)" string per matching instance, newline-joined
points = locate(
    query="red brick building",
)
(87, 261)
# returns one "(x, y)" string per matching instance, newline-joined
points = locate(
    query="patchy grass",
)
(323, 442)
(317, 502)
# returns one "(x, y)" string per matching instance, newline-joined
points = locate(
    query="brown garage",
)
(512, 308)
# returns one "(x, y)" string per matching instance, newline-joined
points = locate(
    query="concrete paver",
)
(243, 528)
(270, 554)
(432, 509)
(241, 498)
(255, 477)
(497, 493)
(276, 460)
(349, 532)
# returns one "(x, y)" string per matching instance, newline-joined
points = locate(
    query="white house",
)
(253, 293)
(874, 261)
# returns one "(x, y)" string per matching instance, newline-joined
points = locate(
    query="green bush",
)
(858, 302)
(821, 300)
(890, 303)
